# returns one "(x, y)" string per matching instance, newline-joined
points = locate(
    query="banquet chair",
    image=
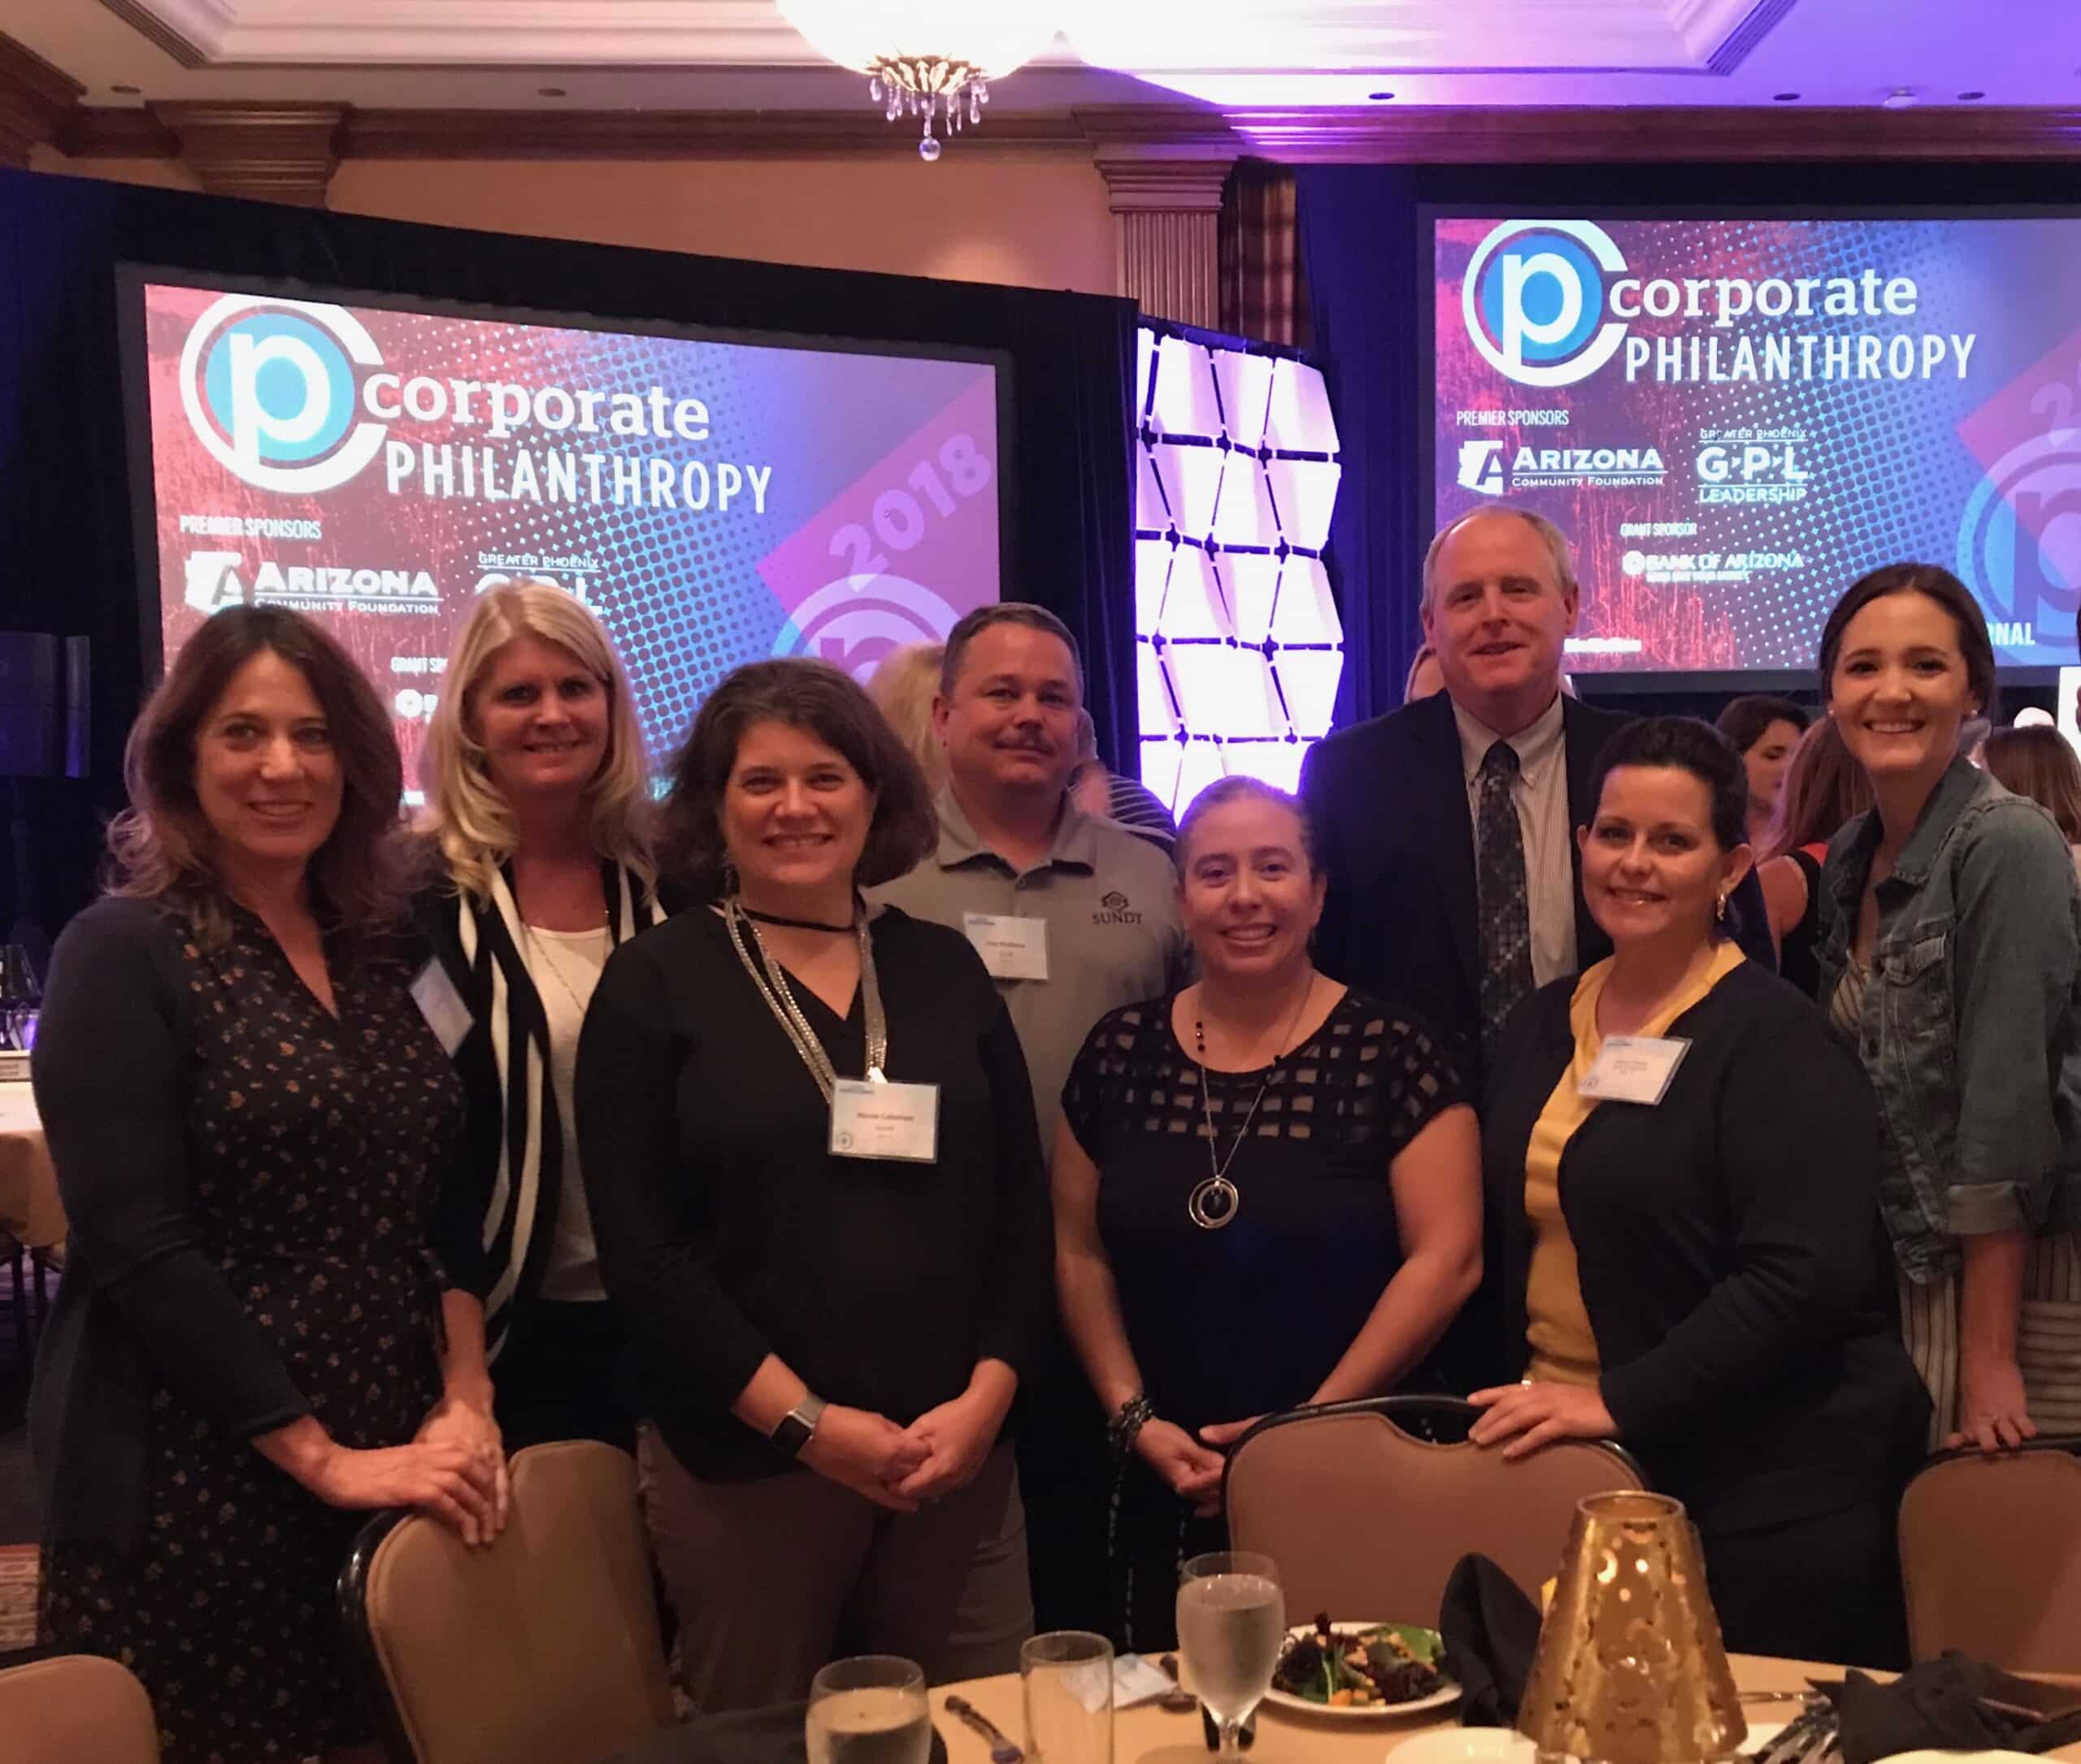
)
(1991, 1557)
(543, 1645)
(76, 1709)
(1367, 1506)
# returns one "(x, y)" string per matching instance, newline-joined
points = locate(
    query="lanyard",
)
(771, 981)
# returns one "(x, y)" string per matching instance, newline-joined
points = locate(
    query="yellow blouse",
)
(1557, 1326)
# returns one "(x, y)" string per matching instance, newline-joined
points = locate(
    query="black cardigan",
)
(1731, 1254)
(728, 1230)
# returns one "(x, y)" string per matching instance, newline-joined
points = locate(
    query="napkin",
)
(769, 1735)
(1941, 1704)
(1491, 1632)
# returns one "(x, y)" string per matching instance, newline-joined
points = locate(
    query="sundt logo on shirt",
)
(1114, 910)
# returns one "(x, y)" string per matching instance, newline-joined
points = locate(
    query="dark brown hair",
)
(1004, 612)
(1824, 788)
(2038, 763)
(1746, 720)
(1682, 744)
(824, 701)
(1935, 583)
(161, 847)
(1242, 788)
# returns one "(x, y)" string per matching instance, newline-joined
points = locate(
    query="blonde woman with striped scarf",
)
(536, 837)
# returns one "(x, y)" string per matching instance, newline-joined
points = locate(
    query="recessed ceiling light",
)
(551, 92)
(1379, 98)
(1967, 97)
(1783, 97)
(127, 91)
(1901, 98)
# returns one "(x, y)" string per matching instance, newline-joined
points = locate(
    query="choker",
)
(794, 924)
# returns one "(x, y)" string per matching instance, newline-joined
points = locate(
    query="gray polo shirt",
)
(1110, 901)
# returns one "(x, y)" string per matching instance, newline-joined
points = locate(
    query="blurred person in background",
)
(1109, 796)
(2037, 762)
(1764, 731)
(903, 686)
(1823, 788)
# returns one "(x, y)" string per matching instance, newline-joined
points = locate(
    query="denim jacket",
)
(1971, 1029)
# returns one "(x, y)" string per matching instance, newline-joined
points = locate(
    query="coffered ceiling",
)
(736, 55)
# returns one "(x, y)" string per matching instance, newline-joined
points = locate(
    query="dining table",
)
(1147, 1733)
(30, 1210)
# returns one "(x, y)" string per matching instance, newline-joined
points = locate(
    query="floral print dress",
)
(315, 1146)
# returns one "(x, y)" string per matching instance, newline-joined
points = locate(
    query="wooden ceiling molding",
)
(272, 153)
(1123, 135)
(36, 100)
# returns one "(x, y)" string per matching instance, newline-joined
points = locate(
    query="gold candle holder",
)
(1629, 1668)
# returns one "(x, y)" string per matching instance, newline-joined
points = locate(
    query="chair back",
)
(1991, 1557)
(76, 1709)
(543, 1646)
(1367, 1506)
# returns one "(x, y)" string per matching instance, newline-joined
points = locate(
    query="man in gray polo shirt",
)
(1074, 917)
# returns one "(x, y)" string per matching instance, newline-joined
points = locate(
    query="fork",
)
(1002, 1751)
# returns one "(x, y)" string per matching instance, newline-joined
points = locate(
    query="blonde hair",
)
(465, 814)
(903, 686)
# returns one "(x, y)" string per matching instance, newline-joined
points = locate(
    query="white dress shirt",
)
(1541, 794)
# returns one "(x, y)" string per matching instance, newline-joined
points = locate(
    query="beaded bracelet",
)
(1136, 1413)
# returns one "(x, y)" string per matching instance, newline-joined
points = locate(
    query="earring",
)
(1720, 912)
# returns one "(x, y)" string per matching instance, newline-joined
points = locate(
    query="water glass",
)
(1231, 1625)
(870, 1710)
(1066, 1678)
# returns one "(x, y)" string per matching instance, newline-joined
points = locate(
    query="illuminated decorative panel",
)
(1238, 646)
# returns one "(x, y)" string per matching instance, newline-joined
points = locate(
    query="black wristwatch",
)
(798, 1425)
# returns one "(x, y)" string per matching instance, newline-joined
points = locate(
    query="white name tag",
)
(1011, 949)
(442, 1006)
(1633, 1068)
(885, 1120)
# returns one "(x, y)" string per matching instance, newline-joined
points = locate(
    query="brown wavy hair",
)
(825, 700)
(162, 848)
(1824, 788)
(2037, 763)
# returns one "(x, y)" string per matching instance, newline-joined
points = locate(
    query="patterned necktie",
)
(1505, 904)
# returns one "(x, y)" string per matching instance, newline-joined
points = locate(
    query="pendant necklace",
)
(1214, 1204)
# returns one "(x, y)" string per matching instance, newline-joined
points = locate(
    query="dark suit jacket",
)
(1388, 802)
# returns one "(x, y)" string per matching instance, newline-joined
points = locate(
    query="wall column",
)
(272, 153)
(1166, 200)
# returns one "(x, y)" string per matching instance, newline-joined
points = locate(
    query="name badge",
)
(885, 1120)
(1011, 949)
(442, 1006)
(1633, 1068)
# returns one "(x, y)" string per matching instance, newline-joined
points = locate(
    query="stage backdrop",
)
(713, 499)
(72, 563)
(1372, 284)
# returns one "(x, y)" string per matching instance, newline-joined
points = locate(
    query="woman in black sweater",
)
(1686, 1251)
(809, 1145)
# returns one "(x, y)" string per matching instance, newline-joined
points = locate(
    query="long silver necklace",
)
(1214, 1204)
(771, 981)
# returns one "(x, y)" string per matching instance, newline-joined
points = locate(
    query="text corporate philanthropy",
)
(281, 393)
(1550, 302)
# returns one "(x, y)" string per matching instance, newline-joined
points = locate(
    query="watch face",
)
(792, 1434)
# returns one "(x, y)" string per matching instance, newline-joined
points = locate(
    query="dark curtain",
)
(70, 561)
(1264, 296)
(1366, 259)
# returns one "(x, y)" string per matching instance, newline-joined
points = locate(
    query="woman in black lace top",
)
(1266, 1194)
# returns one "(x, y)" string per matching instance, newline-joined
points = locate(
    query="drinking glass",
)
(870, 1710)
(1066, 1677)
(20, 998)
(1232, 1624)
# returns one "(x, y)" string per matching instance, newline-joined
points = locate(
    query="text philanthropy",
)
(1551, 303)
(296, 397)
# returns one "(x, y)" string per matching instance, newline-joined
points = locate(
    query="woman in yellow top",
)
(1686, 1253)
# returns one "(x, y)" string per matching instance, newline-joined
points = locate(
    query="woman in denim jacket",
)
(1952, 956)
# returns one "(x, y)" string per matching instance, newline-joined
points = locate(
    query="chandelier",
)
(926, 58)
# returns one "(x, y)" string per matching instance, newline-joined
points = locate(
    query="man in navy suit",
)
(1421, 911)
